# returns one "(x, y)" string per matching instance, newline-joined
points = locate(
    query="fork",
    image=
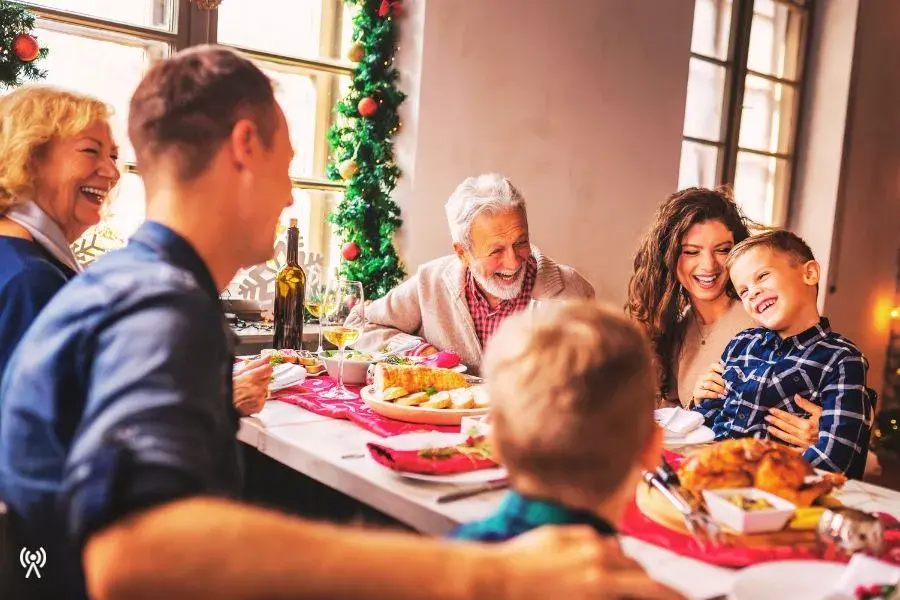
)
(704, 530)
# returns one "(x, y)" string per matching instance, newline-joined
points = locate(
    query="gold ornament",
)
(356, 52)
(348, 169)
(207, 4)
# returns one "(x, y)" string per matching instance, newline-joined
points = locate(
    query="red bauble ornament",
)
(350, 251)
(25, 47)
(367, 107)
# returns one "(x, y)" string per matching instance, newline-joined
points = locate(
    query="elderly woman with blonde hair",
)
(59, 164)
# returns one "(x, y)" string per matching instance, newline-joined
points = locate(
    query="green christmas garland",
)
(19, 50)
(363, 153)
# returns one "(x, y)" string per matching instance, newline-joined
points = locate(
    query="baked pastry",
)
(416, 378)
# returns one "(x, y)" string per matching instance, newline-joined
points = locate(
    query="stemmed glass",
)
(315, 294)
(341, 298)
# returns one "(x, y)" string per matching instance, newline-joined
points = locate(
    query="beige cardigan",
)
(431, 305)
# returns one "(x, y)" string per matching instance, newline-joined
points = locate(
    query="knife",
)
(490, 486)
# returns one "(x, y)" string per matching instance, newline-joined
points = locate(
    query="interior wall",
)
(580, 103)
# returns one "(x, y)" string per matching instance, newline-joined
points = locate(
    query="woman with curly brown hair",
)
(681, 293)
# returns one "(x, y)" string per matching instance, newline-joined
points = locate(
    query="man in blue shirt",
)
(117, 448)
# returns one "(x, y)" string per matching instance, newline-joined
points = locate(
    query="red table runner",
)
(307, 396)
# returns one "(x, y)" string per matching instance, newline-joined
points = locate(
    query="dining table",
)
(333, 452)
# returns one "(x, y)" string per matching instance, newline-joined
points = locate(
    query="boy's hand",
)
(710, 384)
(791, 429)
(574, 562)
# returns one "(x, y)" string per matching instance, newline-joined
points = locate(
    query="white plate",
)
(435, 439)
(794, 579)
(286, 375)
(701, 435)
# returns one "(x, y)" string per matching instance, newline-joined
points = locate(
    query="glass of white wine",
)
(315, 294)
(340, 299)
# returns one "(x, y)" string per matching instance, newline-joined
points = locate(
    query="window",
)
(740, 122)
(103, 47)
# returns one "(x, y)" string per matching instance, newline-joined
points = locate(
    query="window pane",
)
(761, 186)
(103, 64)
(298, 28)
(159, 14)
(698, 165)
(310, 206)
(767, 117)
(775, 39)
(703, 110)
(712, 25)
(307, 99)
(122, 215)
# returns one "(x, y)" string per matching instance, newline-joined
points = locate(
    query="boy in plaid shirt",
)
(572, 399)
(794, 354)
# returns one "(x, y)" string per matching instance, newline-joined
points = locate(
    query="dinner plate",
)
(436, 439)
(286, 375)
(417, 414)
(794, 579)
(701, 435)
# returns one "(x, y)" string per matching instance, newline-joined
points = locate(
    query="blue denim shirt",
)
(763, 371)
(118, 399)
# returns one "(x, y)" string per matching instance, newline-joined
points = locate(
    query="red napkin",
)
(433, 461)
(443, 360)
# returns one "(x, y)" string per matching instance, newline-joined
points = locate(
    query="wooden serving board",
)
(415, 414)
(655, 507)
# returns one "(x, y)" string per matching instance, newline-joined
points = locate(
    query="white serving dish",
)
(475, 426)
(742, 521)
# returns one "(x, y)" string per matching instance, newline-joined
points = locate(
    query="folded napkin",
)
(863, 573)
(471, 455)
(443, 360)
(677, 421)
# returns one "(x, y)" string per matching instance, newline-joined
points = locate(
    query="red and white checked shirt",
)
(487, 319)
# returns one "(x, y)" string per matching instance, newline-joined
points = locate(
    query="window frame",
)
(736, 72)
(193, 26)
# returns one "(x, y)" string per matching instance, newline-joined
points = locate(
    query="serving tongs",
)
(702, 528)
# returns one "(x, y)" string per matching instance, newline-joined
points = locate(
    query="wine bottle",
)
(290, 287)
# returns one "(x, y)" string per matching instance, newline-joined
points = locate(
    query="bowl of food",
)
(748, 510)
(356, 365)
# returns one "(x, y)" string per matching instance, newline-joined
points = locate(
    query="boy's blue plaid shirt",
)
(763, 371)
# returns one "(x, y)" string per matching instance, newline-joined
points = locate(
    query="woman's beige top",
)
(704, 344)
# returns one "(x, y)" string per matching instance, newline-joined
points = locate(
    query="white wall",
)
(863, 273)
(580, 103)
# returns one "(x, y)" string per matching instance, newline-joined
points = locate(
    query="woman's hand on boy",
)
(575, 562)
(711, 384)
(791, 429)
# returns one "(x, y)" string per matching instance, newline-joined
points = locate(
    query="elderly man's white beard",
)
(506, 291)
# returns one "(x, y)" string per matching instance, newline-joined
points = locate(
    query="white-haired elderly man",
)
(457, 302)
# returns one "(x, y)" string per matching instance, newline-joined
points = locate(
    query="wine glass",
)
(315, 294)
(341, 297)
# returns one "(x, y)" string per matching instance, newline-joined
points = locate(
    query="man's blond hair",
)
(572, 396)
